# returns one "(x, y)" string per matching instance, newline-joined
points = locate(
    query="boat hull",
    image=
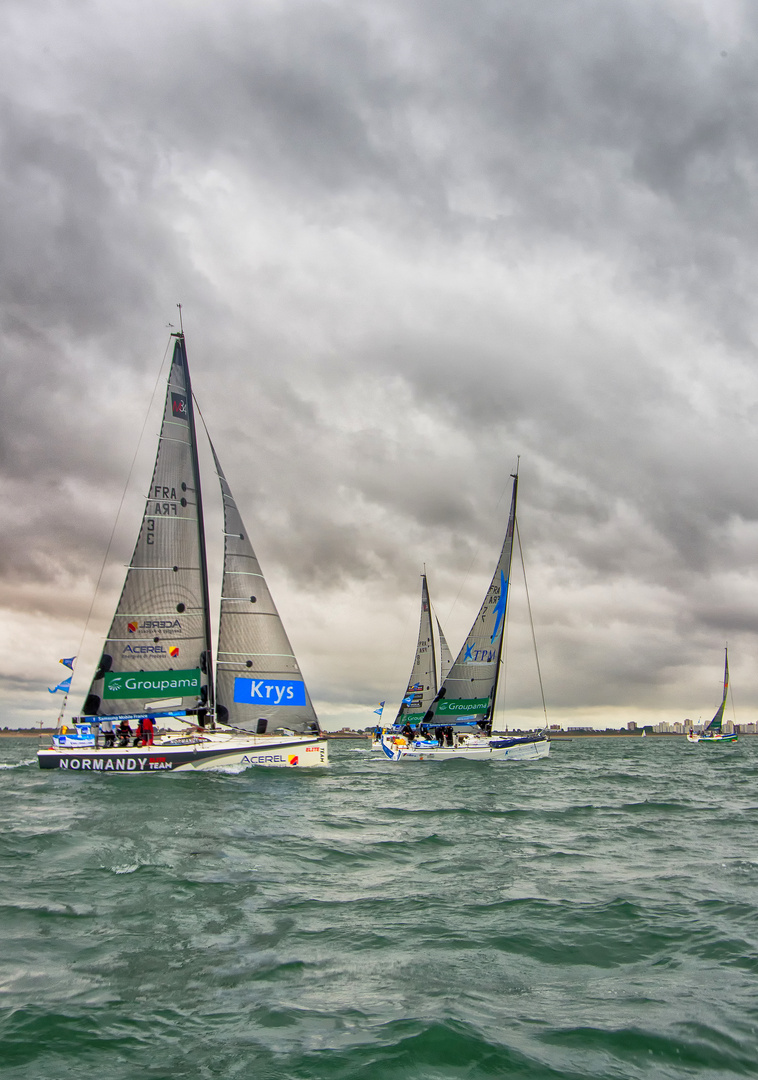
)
(197, 757)
(515, 750)
(697, 738)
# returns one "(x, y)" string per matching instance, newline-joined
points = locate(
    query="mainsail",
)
(422, 685)
(715, 724)
(158, 645)
(259, 686)
(469, 690)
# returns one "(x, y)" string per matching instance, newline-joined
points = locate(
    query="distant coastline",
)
(30, 733)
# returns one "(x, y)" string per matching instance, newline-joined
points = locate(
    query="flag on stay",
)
(65, 686)
(69, 663)
(379, 710)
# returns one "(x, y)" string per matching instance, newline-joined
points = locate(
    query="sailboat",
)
(712, 732)
(457, 724)
(157, 668)
(422, 684)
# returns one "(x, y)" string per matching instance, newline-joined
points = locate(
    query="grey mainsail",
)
(158, 645)
(446, 657)
(468, 692)
(422, 685)
(259, 685)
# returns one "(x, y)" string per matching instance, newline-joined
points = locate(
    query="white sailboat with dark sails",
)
(156, 671)
(457, 723)
(713, 732)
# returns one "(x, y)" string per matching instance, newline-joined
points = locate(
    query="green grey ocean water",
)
(592, 915)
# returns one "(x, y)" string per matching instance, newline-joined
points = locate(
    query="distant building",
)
(631, 726)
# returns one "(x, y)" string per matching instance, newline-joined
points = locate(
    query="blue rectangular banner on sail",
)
(269, 692)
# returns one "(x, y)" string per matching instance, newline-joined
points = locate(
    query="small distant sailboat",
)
(713, 732)
(457, 723)
(422, 684)
(156, 666)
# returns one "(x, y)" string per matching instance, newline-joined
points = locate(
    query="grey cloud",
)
(413, 241)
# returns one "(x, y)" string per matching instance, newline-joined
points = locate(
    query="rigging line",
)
(121, 505)
(531, 623)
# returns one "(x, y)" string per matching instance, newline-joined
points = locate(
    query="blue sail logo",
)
(500, 609)
(269, 692)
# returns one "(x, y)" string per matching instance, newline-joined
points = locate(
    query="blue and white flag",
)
(380, 709)
(65, 686)
(69, 663)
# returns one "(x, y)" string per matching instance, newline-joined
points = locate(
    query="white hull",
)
(196, 753)
(696, 737)
(482, 750)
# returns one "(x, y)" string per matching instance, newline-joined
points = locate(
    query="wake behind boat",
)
(156, 670)
(457, 722)
(713, 732)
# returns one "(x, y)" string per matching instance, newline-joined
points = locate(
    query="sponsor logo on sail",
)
(174, 650)
(179, 406)
(462, 705)
(151, 684)
(479, 656)
(292, 759)
(144, 650)
(269, 692)
(500, 609)
(166, 627)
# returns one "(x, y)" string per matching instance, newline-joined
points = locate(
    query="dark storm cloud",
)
(413, 240)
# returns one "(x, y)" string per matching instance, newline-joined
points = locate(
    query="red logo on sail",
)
(179, 406)
(174, 650)
(132, 627)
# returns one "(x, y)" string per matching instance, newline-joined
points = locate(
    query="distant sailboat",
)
(156, 667)
(458, 722)
(713, 733)
(422, 684)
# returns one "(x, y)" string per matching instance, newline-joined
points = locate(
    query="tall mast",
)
(512, 530)
(431, 633)
(201, 524)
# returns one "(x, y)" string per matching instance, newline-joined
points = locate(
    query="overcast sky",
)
(413, 239)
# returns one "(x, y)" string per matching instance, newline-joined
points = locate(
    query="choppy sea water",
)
(592, 915)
